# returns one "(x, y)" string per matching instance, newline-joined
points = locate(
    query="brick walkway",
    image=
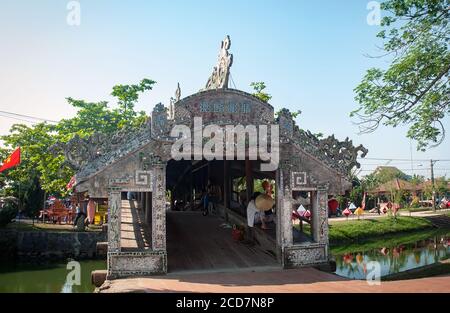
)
(277, 281)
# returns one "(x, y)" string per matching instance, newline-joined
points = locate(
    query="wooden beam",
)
(249, 178)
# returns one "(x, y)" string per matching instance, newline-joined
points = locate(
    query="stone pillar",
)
(284, 207)
(114, 220)
(322, 208)
(159, 208)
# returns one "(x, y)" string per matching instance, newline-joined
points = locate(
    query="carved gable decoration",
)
(223, 107)
(286, 123)
(160, 123)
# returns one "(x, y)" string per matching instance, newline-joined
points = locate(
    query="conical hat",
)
(264, 202)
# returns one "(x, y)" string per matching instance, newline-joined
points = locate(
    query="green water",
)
(52, 277)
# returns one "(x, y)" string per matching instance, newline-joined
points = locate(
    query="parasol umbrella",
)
(307, 214)
(301, 210)
(264, 202)
(333, 205)
(359, 212)
(347, 212)
(352, 207)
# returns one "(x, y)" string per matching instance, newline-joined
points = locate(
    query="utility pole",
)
(433, 192)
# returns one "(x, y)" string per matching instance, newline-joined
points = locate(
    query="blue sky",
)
(311, 54)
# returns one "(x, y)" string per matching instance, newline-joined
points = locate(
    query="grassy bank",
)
(391, 240)
(419, 209)
(367, 230)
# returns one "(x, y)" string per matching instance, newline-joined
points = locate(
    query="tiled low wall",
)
(126, 264)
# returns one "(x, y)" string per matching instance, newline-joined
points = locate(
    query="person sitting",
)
(254, 216)
(205, 202)
(79, 214)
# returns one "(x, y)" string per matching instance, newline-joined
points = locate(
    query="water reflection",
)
(394, 259)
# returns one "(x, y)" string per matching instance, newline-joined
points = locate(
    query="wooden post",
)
(148, 208)
(249, 178)
(314, 215)
(226, 187)
(144, 200)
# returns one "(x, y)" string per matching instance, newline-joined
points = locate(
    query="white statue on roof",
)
(221, 73)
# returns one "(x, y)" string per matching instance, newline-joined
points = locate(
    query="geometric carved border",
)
(298, 180)
(144, 178)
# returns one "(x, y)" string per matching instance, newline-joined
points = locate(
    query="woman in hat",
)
(254, 215)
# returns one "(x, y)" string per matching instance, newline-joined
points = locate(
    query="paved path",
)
(401, 213)
(135, 233)
(275, 281)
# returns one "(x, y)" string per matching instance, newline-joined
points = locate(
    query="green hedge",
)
(7, 213)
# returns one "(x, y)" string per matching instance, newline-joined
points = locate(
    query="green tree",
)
(41, 171)
(384, 174)
(414, 90)
(127, 96)
(26, 181)
(259, 87)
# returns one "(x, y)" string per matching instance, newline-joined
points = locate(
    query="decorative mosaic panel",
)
(159, 208)
(114, 221)
(126, 264)
(297, 256)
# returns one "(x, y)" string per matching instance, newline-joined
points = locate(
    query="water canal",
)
(51, 277)
(394, 255)
(397, 254)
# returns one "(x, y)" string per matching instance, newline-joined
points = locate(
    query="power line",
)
(415, 169)
(25, 118)
(403, 160)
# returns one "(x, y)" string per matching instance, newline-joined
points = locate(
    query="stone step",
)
(98, 277)
(102, 248)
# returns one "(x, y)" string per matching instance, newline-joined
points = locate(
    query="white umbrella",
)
(301, 210)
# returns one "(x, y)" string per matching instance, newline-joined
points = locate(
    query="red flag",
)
(11, 161)
(71, 183)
